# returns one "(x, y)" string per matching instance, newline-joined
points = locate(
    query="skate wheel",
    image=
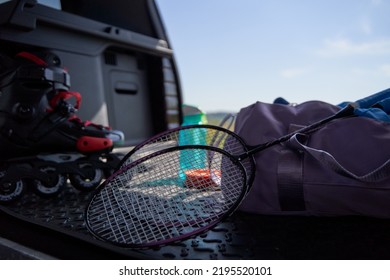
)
(49, 189)
(91, 179)
(10, 191)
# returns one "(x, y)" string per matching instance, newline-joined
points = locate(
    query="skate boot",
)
(42, 142)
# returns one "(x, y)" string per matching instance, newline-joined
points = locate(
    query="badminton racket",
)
(144, 207)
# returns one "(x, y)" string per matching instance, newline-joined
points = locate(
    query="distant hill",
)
(215, 118)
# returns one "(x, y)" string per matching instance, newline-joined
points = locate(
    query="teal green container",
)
(189, 160)
(193, 115)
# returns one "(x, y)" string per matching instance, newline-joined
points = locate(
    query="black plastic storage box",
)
(117, 55)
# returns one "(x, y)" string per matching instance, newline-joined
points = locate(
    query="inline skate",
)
(43, 144)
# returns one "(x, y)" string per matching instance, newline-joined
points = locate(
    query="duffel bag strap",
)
(290, 181)
(378, 174)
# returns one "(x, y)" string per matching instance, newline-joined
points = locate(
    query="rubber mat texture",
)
(241, 236)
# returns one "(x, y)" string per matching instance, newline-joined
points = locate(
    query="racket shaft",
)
(345, 112)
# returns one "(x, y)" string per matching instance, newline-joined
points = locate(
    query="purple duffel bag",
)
(343, 168)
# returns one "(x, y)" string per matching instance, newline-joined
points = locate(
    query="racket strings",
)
(159, 205)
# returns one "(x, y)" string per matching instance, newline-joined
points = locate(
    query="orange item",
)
(201, 178)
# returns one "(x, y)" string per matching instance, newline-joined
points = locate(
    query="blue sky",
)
(232, 53)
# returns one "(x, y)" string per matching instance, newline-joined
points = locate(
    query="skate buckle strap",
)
(64, 95)
(42, 71)
(58, 102)
(57, 76)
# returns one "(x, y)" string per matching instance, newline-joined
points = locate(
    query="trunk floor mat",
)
(241, 236)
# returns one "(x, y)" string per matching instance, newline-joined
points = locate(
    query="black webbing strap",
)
(290, 181)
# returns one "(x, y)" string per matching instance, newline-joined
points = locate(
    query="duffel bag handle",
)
(379, 174)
